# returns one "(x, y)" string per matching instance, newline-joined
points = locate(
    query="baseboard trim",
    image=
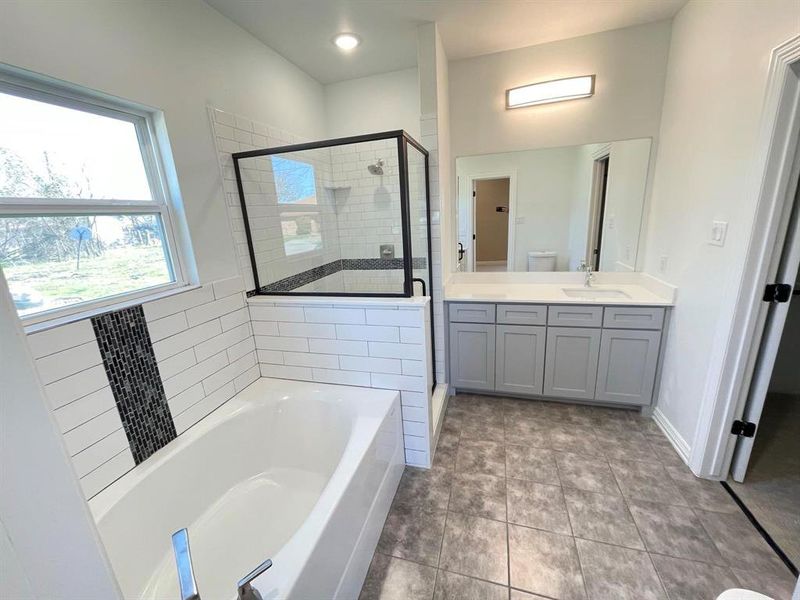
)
(681, 446)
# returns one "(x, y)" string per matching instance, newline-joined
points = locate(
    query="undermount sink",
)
(594, 293)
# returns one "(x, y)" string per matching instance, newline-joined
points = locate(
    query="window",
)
(296, 189)
(83, 213)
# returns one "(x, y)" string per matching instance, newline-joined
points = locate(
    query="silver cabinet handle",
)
(183, 559)
(246, 591)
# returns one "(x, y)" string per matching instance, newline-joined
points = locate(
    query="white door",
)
(773, 329)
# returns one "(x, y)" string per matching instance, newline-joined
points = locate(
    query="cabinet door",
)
(472, 355)
(627, 367)
(519, 367)
(571, 362)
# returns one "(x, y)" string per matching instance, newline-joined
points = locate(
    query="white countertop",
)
(640, 289)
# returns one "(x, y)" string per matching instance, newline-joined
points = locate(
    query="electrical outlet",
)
(663, 263)
(719, 230)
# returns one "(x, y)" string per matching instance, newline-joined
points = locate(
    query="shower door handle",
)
(183, 560)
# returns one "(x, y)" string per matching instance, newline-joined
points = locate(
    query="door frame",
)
(774, 163)
(597, 201)
(468, 180)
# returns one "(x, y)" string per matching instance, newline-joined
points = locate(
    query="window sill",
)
(43, 322)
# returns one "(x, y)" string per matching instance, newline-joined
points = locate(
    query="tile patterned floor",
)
(531, 500)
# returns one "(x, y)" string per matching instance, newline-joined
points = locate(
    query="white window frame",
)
(152, 158)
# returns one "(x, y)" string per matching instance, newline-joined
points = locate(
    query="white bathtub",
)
(301, 473)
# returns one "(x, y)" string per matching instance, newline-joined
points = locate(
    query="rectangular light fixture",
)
(556, 90)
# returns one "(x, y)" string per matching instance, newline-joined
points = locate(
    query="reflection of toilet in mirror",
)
(542, 261)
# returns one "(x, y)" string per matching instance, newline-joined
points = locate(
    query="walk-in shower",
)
(341, 217)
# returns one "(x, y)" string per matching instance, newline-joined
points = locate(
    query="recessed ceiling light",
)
(346, 41)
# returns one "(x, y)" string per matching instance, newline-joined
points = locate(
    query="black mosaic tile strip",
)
(135, 381)
(293, 282)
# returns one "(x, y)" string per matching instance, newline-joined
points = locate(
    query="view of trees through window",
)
(296, 187)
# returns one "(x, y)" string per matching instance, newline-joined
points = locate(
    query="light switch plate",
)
(719, 231)
(663, 263)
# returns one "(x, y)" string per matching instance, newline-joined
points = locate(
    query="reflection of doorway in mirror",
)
(597, 211)
(491, 223)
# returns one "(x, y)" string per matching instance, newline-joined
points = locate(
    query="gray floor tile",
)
(675, 531)
(646, 481)
(451, 586)
(489, 428)
(475, 547)
(445, 455)
(601, 518)
(664, 450)
(428, 488)
(533, 464)
(775, 585)
(573, 438)
(391, 578)
(481, 457)
(537, 505)
(480, 495)
(518, 595)
(629, 445)
(585, 473)
(690, 580)
(526, 409)
(545, 563)
(525, 432)
(413, 533)
(702, 493)
(614, 573)
(739, 543)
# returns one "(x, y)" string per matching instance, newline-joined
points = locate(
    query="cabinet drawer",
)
(522, 314)
(471, 312)
(575, 316)
(633, 317)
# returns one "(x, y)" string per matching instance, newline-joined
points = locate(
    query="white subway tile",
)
(346, 347)
(107, 473)
(215, 309)
(269, 342)
(284, 372)
(97, 454)
(392, 350)
(306, 359)
(188, 397)
(177, 303)
(222, 341)
(169, 367)
(92, 431)
(185, 379)
(60, 338)
(237, 351)
(274, 357)
(414, 428)
(406, 318)
(414, 367)
(334, 315)
(398, 382)
(226, 287)
(416, 458)
(229, 373)
(265, 328)
(277, 313)
(374, 365)
(207, 405)
(307, 330)
(186, 339)
(367, 333)
(415, 413)
(412, 335)
(76, 386)
(341, 377)
(413, 442)
(167, 326)
(84, 409)
(68, 362)
(246, 378)
(237, 317)
(418, 399)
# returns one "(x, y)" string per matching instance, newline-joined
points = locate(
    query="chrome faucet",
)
(247, 591)
(588, 276)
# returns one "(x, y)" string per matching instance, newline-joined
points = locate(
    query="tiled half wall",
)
(202, 344)
(382, 344)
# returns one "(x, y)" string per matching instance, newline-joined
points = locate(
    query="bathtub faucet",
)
(247, 591)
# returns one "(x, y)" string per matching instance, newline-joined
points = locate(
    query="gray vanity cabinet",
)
(472, 355)
(570, 369)
(627, 366)
(519, 360)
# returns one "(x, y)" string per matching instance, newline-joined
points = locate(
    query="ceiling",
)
(301, 30)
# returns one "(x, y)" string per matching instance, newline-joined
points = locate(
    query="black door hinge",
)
(743, 428)
(777, 292)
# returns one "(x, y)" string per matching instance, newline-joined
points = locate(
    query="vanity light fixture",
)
(556, 90)
(346, 41)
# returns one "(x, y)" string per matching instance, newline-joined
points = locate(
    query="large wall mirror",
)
(553, 209)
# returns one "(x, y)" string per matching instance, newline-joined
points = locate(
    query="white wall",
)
(370, 104)
(176, 56)
(786, 375)
(630, 65)
(718, 61)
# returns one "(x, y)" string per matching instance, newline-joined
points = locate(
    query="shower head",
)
(377, 168)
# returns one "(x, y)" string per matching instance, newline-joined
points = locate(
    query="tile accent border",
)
(130, 365)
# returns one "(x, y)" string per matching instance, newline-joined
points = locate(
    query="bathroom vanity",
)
(558, 341)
